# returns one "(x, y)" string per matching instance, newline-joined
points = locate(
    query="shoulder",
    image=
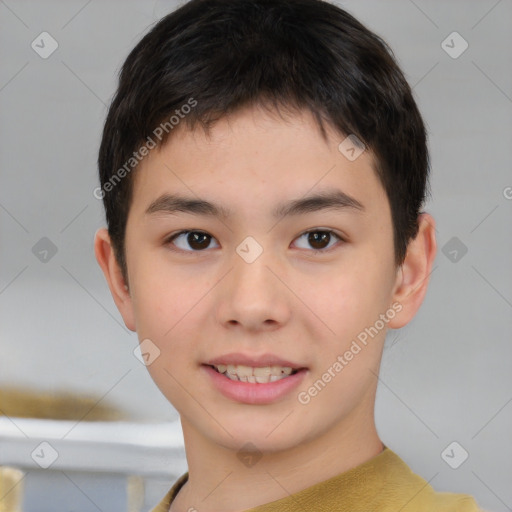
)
(417, 495)
(165, 504)
(447, 502)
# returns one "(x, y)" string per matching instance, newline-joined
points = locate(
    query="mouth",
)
(255, 385)
(254, 374)
(256, 379)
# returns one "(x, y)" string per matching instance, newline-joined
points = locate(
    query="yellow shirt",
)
(382, 484)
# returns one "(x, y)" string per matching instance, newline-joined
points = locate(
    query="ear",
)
(414, 274)
(106, 258)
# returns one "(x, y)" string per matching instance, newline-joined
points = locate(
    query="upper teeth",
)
(259, 375)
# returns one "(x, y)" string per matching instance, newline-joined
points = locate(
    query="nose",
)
(252, 297)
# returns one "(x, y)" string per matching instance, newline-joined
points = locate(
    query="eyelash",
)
(330, 232)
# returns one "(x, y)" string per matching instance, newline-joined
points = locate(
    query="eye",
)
(197, 240)
(319, 239)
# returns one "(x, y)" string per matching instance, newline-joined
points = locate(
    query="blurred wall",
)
(445, 377)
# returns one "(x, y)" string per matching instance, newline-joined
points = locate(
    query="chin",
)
(258, 442)
(265, 438)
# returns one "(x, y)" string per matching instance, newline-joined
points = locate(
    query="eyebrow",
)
(328, 200)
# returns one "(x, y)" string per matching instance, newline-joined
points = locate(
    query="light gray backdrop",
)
(445, 378)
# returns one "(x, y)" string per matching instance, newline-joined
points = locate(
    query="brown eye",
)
(198, 240)
(319, 239)
(191, 241)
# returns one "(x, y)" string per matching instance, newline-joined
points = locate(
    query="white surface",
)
(130, 448)
(86, 466)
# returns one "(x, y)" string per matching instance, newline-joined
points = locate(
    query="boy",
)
(263, 167)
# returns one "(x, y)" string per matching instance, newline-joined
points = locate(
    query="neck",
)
(219, 482)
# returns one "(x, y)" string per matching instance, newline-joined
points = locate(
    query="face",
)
(261, 277)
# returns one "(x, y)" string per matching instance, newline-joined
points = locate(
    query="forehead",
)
(254, 158)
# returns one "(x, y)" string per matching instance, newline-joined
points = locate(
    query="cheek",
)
(169, 303)
(163, 295)
(165, 308)
(355, 296)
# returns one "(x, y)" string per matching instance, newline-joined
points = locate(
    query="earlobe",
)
(105, 256)
(414, 274)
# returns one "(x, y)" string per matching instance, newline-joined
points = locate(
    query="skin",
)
(300, 306)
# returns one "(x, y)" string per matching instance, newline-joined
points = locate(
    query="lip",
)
(254, 393)
(253, 360)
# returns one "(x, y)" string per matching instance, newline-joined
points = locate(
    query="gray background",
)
(445, 377)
